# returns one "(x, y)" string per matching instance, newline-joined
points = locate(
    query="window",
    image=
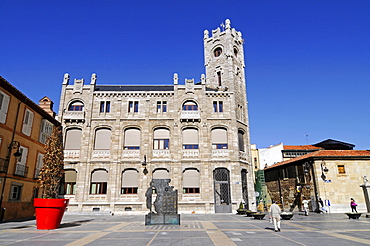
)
(235, 52)
(70, 178)
(190, 138)
(218, 106)
(27, 122)
(161, 107)
(39, 164)
(219, 78)
(161, 139)
(104, 106)
(161, 173)
(133, 106)
(45, 131)
(73, 139)
(219, 138)
(191, 181)
(190, 106)
(241, 140)
(4, 104)
(76, 106)
(130, 181)
(99, 180)
(15, 191)
(102, 139)
(132, 139)
(217, 52)
(21, 168)
(341, 169)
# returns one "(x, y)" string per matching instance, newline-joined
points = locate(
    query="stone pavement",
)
(195, 229)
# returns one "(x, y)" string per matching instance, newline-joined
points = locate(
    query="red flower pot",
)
(49, 212)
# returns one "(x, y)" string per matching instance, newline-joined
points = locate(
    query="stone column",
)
(366, 188)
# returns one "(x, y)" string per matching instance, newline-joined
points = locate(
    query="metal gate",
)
(222, 196)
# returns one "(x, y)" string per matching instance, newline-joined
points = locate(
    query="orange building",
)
(24, 128)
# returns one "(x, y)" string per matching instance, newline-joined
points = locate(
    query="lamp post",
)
(145, 171)
(324, 170)
(17, 154)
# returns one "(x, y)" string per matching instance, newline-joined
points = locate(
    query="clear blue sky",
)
(308, 61)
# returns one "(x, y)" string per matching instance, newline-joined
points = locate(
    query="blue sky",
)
(308, 61)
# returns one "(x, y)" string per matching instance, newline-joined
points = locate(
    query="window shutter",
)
(132, 137)
(219, 136)
(27, 122)
(161, 174)
(190, 136)
(191, 179)
(161, 134)
(70, 176)
(102, 139)
(39, 164)
(73, 139)
(23, 159)
(130, 178)
(99, 176)
(4, 103)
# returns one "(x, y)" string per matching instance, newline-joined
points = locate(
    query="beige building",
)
(24, 128)
(119, 137)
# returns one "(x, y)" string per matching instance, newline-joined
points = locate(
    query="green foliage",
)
(241, 206)
(52, 171)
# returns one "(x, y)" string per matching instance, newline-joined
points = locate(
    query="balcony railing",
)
(71, 154)
(21, 170)
(220, 153)
(3, 165)
(74, 116)
(190, 153)
(161, 153)
(191, 115)
(101, 154)
(131, 153)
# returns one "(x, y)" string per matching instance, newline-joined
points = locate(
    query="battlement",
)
(225, 28)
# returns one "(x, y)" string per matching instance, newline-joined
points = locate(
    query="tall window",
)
(39, 164)
(73, 139)
(76, 106)
(219, 78)
(102, 139)
(191, 181)
(219, 138)
(190, 139)
(218, 106)
(133, 106)
(241, 140)
(27, 122)
(190, 106)
(70, 178)
(161, 138)
(15, 191)
(130, 181)
(99, 180)
(4, 104)
(161, 106)
(132, 138)
(104, 106)
(21, 168)
(45, 131)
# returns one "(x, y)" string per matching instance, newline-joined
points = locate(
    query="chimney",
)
(46, 104)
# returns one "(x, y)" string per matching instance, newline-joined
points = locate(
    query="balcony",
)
(72, 154)
(101, 154)
(131, 154)
(190, 115)
(3, 165)
(74, 116)
(190, 153)
(220, 153)
(21, 170)
(161, 153)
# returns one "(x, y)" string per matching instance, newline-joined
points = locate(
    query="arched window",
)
(161, 173)
(241, 140)
(191, 181)
(132, 138)
(73, 139)
(99, 181)
(217, 52)
(69, 185)
(161, 138)
(190, 106)
(219, 138)
(130, 181)
(102, 139)
(76, 106)
(190, 139)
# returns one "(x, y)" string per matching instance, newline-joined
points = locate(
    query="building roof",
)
(334, 144)
(301, 147)
(340, 154)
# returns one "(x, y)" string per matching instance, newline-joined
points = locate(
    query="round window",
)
(217, 52)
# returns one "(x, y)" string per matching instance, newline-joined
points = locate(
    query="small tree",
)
(52, 171)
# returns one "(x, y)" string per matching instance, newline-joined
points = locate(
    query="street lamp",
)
(145, 171)
(324, 170)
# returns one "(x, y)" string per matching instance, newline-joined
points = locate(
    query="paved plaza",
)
(195, 229)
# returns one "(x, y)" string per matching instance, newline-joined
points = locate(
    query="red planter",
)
(49, 212)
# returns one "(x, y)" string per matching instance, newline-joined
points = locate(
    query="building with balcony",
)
(120, 137)
(24, 129)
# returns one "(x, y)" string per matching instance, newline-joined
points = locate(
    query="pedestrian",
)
(353, 205)
(275, 212)
(321, 205)
(305, 203)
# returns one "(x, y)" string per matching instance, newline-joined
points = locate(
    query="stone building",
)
(119, 137)
(24, 128)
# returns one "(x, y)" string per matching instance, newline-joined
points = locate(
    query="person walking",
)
(275, 212)
(305, 203)
(353, 205)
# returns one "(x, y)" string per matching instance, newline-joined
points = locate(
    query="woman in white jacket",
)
(275, 212)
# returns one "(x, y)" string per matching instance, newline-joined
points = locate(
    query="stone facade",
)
(119, 137)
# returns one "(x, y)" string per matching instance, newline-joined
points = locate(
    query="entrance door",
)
(222, 196)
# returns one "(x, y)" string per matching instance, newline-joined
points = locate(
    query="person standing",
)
(353, 205)
(275, 212)
(305, 203)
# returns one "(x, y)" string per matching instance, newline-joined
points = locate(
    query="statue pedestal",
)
(162, 219)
